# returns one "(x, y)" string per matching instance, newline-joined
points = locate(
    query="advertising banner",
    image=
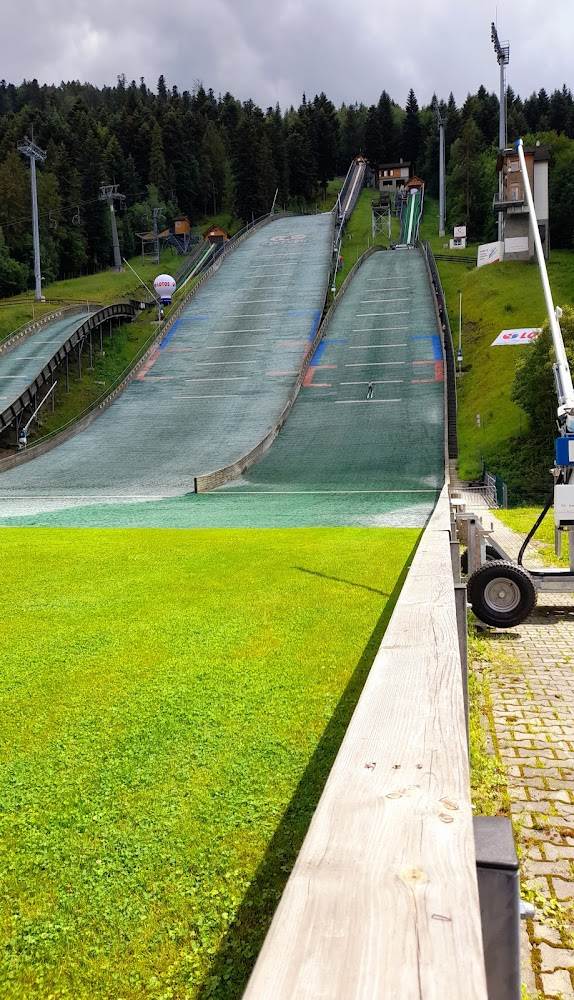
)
(524, 335)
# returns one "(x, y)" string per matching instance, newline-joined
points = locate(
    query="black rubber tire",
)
(491, 556)
(519, 594)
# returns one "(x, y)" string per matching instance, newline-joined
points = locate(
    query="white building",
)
(517, 233)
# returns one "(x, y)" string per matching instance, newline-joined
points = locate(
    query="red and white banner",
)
(525, 335)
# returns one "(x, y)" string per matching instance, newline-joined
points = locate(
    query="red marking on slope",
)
(310, 374)
(438, 371)
(149, 364)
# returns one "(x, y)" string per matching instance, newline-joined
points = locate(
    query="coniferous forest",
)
(201, 154)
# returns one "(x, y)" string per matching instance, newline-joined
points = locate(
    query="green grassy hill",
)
(494, 298)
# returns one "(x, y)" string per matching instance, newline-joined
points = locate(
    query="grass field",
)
(171, 705)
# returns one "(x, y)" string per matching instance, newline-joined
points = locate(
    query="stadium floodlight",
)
(502, 50)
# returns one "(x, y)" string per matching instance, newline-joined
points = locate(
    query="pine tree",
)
(157, 167)
(387, 129)
(373, 144)
(471, 182)
(453, 123)
(411, 132)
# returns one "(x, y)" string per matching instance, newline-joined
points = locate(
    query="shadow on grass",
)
(340, 579)
(234, 961)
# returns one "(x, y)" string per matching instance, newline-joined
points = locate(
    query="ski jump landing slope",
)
(20, 365)
(341, 459)
(216, 384)
(345, 458)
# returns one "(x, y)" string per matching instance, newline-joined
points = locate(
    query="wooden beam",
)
(383, 900)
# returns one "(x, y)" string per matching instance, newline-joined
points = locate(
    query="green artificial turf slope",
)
(171, 705)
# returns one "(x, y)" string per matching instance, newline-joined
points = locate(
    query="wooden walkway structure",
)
(383, 899)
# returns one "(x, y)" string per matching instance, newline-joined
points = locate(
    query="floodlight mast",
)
(562, 374)
(502, 50)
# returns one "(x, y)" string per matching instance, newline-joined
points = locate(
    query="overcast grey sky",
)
(273, 50)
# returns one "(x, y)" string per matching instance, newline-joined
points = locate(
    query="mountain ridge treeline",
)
(194, 153)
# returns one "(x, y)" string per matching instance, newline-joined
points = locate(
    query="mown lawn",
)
(171, 705)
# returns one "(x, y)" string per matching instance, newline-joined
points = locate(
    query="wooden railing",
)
(383, 899)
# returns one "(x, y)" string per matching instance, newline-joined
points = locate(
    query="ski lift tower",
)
(109, 193)
(33, 152)
(381, 216)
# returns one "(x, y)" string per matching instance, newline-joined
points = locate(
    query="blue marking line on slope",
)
(318, 354)
(163, 343)
(435, 343)
(317, 313)
(322, 347)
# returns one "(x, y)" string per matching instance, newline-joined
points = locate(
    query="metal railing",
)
(446, 334)
(32, 326)
(77, 336)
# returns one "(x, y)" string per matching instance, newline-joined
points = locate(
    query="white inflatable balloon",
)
(164, 287)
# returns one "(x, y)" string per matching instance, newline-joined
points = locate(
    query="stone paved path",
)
(533, 707)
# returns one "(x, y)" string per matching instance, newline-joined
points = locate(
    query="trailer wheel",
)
(491, 555)
(501, 594)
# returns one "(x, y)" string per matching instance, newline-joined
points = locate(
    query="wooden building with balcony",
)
(393, 175)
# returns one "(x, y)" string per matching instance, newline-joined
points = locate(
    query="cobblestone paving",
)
(534, 723)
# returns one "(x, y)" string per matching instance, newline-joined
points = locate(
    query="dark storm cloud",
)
(275, 51)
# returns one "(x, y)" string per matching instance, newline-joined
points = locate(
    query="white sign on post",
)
(524, 335)
(459, 232)
(489, 253)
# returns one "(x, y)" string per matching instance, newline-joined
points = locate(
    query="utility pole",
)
(441, 175)
(110, 193)
(33, 152)
(502, 50)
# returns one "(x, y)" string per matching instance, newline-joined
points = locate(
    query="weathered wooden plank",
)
(383, 901)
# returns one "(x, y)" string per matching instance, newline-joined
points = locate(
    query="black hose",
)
(536, 524)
